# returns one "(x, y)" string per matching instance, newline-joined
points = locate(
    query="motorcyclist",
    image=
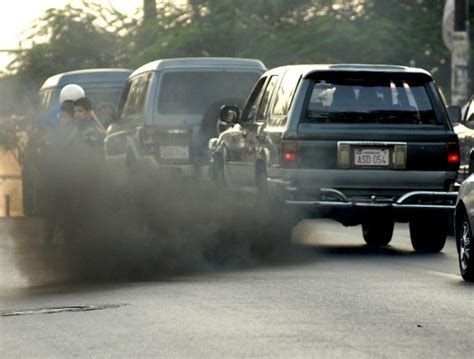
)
(59, 138)
(70, 92)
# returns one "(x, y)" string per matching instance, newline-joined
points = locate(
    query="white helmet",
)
(71, 92)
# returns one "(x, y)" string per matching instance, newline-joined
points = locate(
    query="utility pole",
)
(460, 52)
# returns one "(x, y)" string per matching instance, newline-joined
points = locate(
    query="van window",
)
(136, 97)
(285, 92)
(101, 96)
(192, 92)
(45, 100)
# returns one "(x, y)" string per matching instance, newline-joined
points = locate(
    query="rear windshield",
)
(104, 96)
(98, 96)
(193, 92)
(385, 100)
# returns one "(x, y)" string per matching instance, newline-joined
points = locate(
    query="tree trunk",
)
(149, 10)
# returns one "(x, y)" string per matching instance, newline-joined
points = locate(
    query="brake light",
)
(289, 156)
(453, 153)
(288, 152)
(453, 158)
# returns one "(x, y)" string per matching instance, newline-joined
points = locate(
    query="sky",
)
(16, 15)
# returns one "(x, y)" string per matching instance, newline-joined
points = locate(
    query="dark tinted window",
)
(193, 92)
(396, 101)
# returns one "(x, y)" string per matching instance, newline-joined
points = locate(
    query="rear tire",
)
(378, 233)
(428, 233)
(465, 253)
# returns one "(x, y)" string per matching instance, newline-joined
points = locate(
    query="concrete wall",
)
(10, 184)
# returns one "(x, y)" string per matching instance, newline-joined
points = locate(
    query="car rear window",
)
(193, 92)
(384, 100)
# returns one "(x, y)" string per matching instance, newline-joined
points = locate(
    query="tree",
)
(72, 38)
(149, 10)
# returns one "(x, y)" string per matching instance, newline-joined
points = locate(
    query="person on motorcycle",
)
(55, 167)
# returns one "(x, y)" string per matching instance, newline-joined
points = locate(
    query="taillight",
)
(288, 153)
(453, 153)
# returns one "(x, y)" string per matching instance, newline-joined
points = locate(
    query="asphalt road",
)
(330, 296)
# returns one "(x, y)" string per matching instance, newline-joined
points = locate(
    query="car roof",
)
(201, 62)
(87, 76)
(309, 70)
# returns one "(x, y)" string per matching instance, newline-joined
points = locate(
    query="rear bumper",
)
(309, 180)
(414, 200)
(365, 189)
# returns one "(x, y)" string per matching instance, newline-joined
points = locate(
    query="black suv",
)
(363, 144)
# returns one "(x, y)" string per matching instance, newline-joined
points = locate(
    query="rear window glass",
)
(193, 92)
(104, 96)
(393, 101)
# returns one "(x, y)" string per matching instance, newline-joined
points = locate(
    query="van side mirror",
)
(230, 114)
(454, 113)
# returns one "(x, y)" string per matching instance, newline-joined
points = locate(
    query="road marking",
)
(71, 308)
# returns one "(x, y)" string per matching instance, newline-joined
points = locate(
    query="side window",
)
(285, 92)
(124, 97)
(134, 104)
(250, 111)
(262, 108)
(45, 101)
(130, 107)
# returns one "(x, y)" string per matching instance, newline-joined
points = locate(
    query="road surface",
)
(331, 296)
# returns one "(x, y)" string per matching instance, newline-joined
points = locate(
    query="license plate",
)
(371, 157)
(174, 152)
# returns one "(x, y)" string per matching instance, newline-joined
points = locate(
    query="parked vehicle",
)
(464, 220)
(363, 144)
(169, 111)
(102, 86)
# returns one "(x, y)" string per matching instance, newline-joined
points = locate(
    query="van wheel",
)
(378, 232)
(465, 253)
(428, 233)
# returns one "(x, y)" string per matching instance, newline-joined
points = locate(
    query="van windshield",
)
(191, 93)
(392, 101)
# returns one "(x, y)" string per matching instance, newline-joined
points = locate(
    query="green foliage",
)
(71, 38)
(278, 32)
(12, 136)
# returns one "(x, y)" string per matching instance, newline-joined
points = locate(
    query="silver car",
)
(464, 215)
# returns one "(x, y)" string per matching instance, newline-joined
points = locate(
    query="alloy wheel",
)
(465, 246)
